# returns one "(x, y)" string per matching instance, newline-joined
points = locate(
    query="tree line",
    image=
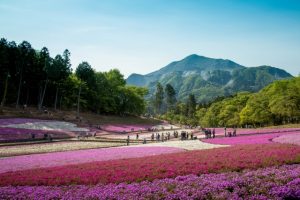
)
(32, 77)
(275, 104)
(165, 105)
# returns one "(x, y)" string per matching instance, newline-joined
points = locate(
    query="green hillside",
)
(208, 78)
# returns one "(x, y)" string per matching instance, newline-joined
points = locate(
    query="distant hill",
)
(208, 78)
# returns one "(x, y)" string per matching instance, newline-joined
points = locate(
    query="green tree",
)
(132, 100)
(25, 57)
(61, 69)
(85, 73)
(115, 98)
(4, 69)
(210, 119)
(44, 60)
(191, 106)
(159, 97)
(256, 111)
(170, 97)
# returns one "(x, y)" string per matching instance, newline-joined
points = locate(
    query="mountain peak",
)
(200, 64)
(195, 56)
(208, 77)
(192, 56)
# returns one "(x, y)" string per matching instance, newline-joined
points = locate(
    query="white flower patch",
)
(165, 126)
(185, 144)
(47, 125)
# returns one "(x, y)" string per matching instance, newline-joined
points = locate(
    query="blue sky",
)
(140, 36)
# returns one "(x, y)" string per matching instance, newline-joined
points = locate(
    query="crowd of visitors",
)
(211, 133)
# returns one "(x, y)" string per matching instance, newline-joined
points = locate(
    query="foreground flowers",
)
(268, 183)
(198, 162)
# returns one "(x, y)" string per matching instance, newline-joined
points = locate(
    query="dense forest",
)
(277, 103)
(32, 77)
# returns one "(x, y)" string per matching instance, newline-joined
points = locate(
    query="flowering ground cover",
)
(136, 127)
(249, 139)
(289, 139)
(147, 135)
(9, 134)
(8, 121)
(247, 131)
(269, 183)
(47, 125)
(79, 156)
(6, 151)
(185, 144)
(199, 162)
(123, 127)
(23, 128)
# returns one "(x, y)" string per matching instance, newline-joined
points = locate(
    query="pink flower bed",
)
(15, 133)
(289, 139)
(18, 121)
(248, 184)
(244, 131)
(124, 127)
(9, 134)
(235, 158)
(80, 156)
(249, 139)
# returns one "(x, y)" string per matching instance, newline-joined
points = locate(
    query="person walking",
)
(152, 137)
(234, 132)
(127, 140)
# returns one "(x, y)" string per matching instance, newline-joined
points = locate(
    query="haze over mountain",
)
(208, 78)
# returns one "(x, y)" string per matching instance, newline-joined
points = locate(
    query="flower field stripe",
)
(288, 139)
(198, 162)
(11, 134)
(247, 139)
(123, 127)
(186, 144)
(268, 183)
(47, 125)
(8, 121)
(136, 127)
(79, 156)
(6, 151)
(254, 131)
